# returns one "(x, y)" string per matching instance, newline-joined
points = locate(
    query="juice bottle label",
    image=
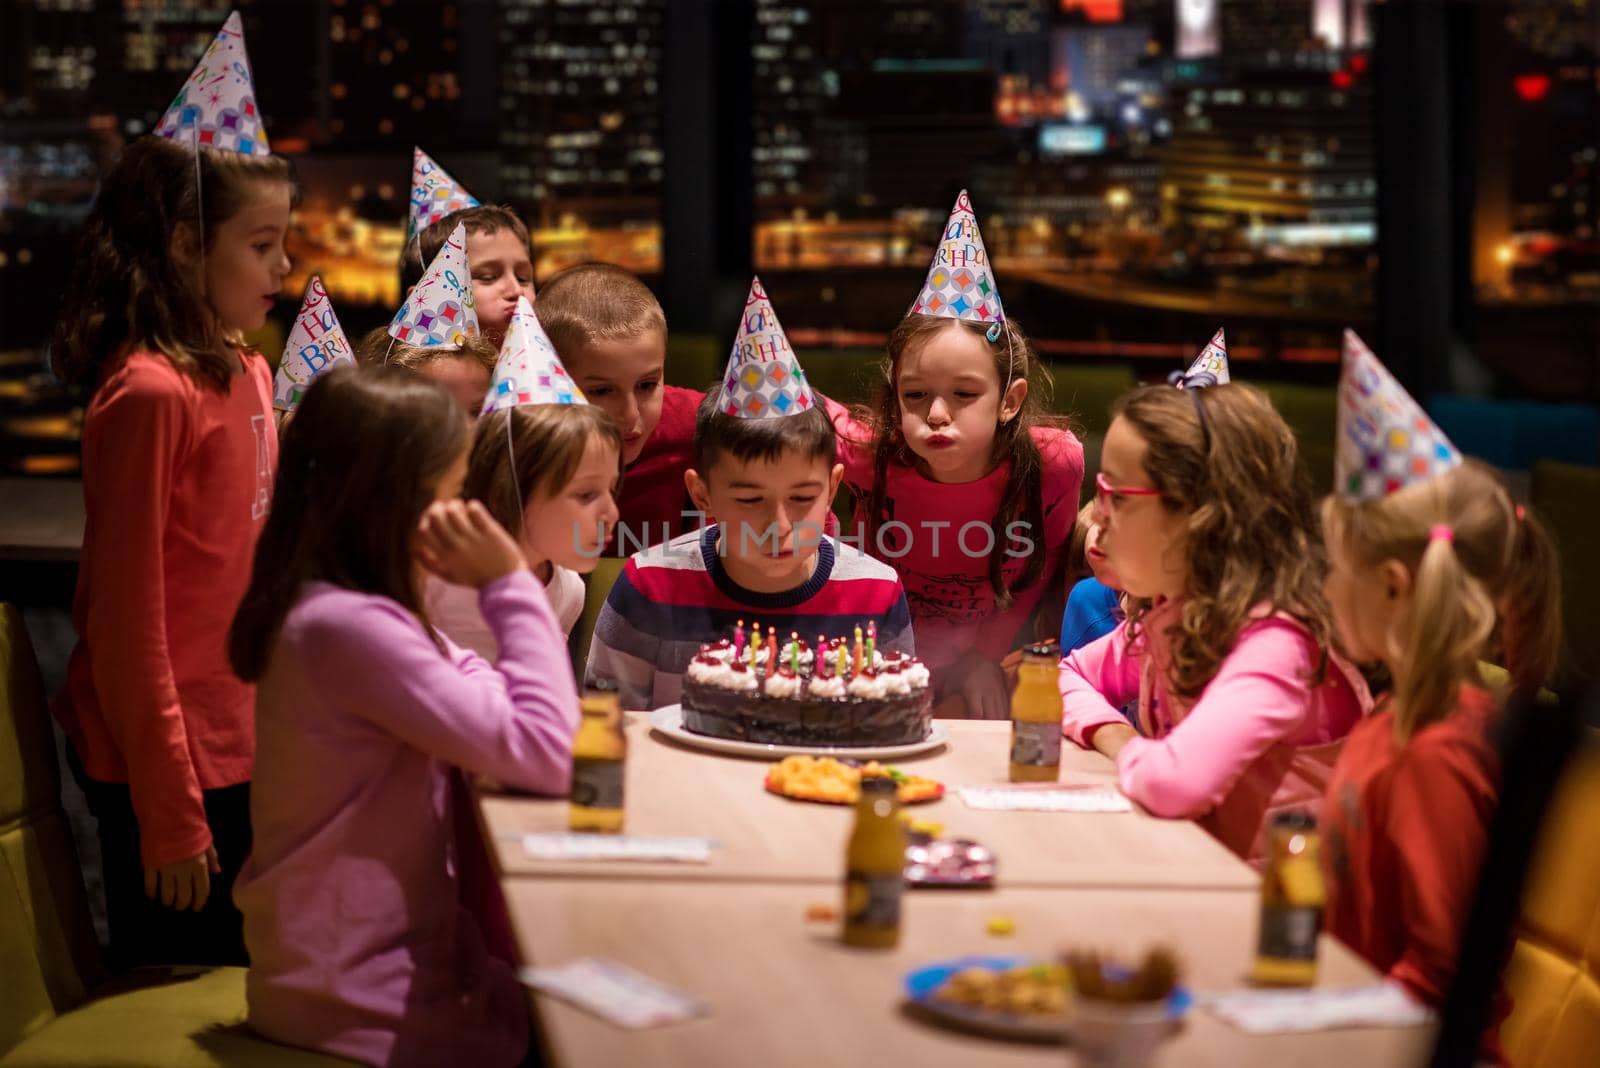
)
(1289, 932)
(597, 783)
(1035, 744)
(872, 900)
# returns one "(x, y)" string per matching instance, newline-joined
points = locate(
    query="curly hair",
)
(128, 287)
(1225, 457)
(1015, 361)
(1497, 569)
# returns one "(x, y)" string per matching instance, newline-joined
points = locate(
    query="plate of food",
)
(831, 781)
(1030, 1000)
(1006, 997)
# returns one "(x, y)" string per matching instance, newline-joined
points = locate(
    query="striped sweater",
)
(671, 599)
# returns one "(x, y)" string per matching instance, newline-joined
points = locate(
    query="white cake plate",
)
(669, 722)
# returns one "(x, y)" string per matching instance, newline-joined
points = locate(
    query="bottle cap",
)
(1050, 650)
(600, 686)
(878, 784)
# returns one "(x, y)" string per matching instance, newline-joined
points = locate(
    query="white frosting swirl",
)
(895, 682)
(829, 687)
(868, 686)
(742, 681)
(783, 685)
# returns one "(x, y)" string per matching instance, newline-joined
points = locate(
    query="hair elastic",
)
(1442, 532)
(993, 333)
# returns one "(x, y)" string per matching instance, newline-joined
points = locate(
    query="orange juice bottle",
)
(599, 753)
(874, 868)
(1292, 898)
(1036, 716)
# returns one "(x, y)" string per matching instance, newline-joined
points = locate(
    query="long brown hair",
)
(544, 448)
(1015, 361)
(1251, 537)
(127, 287)
(358, 467)
(1497, 567)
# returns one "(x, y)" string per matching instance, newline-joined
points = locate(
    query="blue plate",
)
(921, 983)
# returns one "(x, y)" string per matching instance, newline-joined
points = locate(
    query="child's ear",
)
(1396, 579)
(1011, 403)
(697, 491)
(834, 478)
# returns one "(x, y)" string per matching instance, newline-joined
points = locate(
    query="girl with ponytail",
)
(1428, 580)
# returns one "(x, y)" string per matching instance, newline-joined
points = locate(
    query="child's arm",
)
(513, 722)
(624, 654)
(1439, 807)
(131, 447)
(1095, 680)
(1259, 696)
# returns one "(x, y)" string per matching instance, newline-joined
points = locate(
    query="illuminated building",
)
(1272, 148)
(579, 128)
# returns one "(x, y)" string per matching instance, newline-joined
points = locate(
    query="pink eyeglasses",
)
(1104, 491)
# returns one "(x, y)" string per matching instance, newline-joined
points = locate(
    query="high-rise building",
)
(788, 97)
(158, 43)
(1093, 61)
(579, 125)
(394, 74)
(1272, 149)
(1252, 27)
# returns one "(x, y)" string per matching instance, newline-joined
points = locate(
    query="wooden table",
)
(786, 992)
(676, 791)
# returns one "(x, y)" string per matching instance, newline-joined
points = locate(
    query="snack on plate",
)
(835, 782)
(1102, 979)
(1032, 989)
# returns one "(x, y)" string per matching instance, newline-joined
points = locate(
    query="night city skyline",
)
(1140, 167)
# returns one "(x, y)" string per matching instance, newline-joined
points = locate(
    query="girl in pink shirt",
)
(969, 490)
(179, 449)
(1207, 519)
(359, 941)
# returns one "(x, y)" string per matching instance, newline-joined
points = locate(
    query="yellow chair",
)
(1553, 975)
(597, 585)
(54, 1007)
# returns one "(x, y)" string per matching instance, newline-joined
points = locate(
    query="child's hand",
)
(184, 885)
(985, 690)
(461, 543)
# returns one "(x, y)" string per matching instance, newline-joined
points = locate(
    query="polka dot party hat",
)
(764, 379)
(438, 312)
(1386, 441)
(216, 108)
(434, 194)
(960, 282)
(528, 370)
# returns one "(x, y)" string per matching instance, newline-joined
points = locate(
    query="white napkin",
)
(559, 845)
(614, 992)
(1265, 1012)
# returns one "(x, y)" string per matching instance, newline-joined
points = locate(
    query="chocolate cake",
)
(789, 695)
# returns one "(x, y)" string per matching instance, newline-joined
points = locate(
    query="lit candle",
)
(855, 668)
(755, 640)
(738, 640)
(794, 651)
(772, 649)
(841, 663)
(872, 640)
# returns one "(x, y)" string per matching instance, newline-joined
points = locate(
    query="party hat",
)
(1386, 441)
(316, 343)
(434, 194)
(438, 312)
(763, 379)
(216, 108)
(960, 283)
(1210, 368)
(528, 371)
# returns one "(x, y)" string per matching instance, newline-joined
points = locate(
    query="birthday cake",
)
(833, 693)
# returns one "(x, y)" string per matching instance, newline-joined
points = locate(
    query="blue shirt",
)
(1093, 611)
